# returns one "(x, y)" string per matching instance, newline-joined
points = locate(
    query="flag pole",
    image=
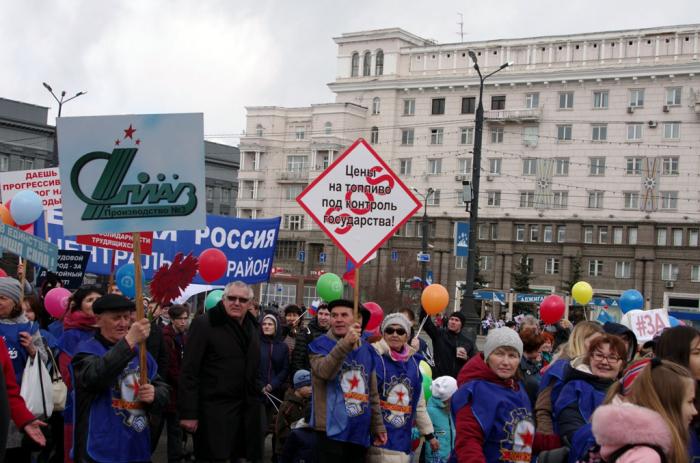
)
(143, 378)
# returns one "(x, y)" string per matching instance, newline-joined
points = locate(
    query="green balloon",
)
(329, 287)
(427, 382)
(213, 298)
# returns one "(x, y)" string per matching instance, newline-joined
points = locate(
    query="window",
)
(464, 165)
(531, 135)
(434, 200)
(661, 237)
(564, 132)
(595, 199)
(693, 237)
(468, 105)
(617, 235)
(438, 106)
(560, 199)
(297, 163)
(494, 166)
(520, 233)
(287, 249)
(673, 96)
(376, 105)
(600, 132)
(327, 128)
(634, 166)
(588, 235)
(379, 63)
(551, 266)
(407, 136)
(293, 191)
(374, 135)
(669, 272)
(561, 234)
(547, 234)
(529, 166)
(498, 102)
(483, 231)
(355, 66)
(623, 269)
(26, 163)
(299, 133)
(595, 268)
(259, 130)
(566, 100)
(634, 132)
(367, 64)
(460, 197)
(631, 199)
(527, 199)
(466, 136)
(496, 134)
(493, 228)
(532, 100)
(632, 235)
(434, 166)
(561, 166)
(436, 136)
(293, 222)
(4, 163)
(669, 200)
(670, 166)
(210, 193)
(597, 166)
(672, 130)
(460, 262)
(677, 236)
(695, 273)
(485, 263)
(404, 166)
(600, 99)
(409, 107)
(493, 198)
(602, 235)
(637, 97)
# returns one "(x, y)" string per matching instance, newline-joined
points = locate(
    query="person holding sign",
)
(111, 407)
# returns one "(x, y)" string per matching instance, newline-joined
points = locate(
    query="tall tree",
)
(575, 273)
(522, 275)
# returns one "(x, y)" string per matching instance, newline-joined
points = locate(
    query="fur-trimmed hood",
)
(615, 426)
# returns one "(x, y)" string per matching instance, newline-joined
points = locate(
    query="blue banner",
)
(461, 239)
(28, 246)
(249, 246)
(493, 296)
(534, 298)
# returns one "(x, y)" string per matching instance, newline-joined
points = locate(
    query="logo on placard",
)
(112, 199)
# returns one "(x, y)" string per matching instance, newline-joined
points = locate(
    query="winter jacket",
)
(155, 344)
(305, 336)
(300, 446)
(445, 344)
(530, 371)
(616, 426)
(548, 392)
(18, 409)
(444, 429)
(175, 348)
(291, 410)
(274, 363)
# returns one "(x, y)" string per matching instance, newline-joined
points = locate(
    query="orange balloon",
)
(5, 216)
(434, 299)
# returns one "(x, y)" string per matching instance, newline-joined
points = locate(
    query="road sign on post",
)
(322, 257)
(423, 257)
(395, 255)
(301, 256)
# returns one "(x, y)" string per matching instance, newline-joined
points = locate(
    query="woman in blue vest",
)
(399, 382)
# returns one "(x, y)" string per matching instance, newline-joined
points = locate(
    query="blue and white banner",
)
(533, 298)
(461, 239)
(249, 246)
(491, 296)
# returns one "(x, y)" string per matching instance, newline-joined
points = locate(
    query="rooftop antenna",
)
(461, 27)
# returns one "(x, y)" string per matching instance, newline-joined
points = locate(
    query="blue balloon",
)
(673, 321)
(26, 207)
(631, 300)
(125, 278)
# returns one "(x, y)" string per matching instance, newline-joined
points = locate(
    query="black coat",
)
(305, 336)
(445, 344)
(219, 386)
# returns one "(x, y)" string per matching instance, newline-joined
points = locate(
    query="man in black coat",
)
(317, 327)
(451, 349)
(219, 389)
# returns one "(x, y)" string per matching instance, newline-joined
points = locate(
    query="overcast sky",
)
(217, 56)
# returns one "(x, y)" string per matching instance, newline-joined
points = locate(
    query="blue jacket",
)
(445, 431)
(300, 446)
(274, 363)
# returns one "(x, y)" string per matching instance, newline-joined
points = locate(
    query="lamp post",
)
(61, 102)
(424, 227)
(468, 303)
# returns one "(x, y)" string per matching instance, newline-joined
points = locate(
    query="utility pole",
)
(461, 27)
(424, 227)
(61, 102)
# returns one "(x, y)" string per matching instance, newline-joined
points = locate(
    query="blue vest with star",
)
(18, 354)
(554, 376)
(118, 428)
(400, 387)
(505, 418)
(348, 412)
(583, 393)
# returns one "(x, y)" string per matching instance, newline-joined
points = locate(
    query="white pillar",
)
(256, 165)
(242, 161)
(639, 49)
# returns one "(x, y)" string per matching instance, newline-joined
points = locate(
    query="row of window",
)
(24, 163)
(224, 195)
(367, 64)
(667, 200)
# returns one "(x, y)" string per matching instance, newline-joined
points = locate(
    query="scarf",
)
(79, 320)
(400, 356)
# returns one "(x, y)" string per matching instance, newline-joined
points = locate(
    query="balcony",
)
(513, 115)
(250, 174)
(294, 176)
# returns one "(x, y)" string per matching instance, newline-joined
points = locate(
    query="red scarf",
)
(79, 320)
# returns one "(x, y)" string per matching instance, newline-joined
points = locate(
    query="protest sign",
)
(646, 324)
(359, 202)
(70, 269)
(44, 182)
(132, 173)
(28, 246)
(118, 241)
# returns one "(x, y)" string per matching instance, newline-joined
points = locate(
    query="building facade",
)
(590, 160)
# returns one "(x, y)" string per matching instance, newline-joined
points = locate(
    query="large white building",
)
(590, 159)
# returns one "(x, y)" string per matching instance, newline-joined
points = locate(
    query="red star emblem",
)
(354, 382)
(138, 141)
(135, 386)
(129, 133)
(116, 142)
(527, 438)
(400, 395)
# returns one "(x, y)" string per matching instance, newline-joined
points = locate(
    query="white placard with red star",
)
(132, 173)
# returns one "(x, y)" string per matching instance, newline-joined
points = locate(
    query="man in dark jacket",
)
(451, 349)
(219, 394)
(111, 421)
(317, 327)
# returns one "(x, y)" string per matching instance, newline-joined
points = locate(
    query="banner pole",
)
(23, 265)
(46, 225)
(356, 294)
(111, 267)
(143, 379)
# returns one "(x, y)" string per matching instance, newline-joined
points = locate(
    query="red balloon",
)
(376, 315)
(212, 264)
(552, 309)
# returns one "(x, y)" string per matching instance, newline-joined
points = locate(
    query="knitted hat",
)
(502, 337)
(9, 287)
(631, 374)
(112, 303)
(459, 315)
(301, 378)
(270, 317)
(396, 319)
(443, 387)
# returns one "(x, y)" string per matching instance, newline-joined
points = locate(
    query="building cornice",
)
(382, 34)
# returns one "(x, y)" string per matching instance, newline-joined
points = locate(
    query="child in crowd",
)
(296, 402)
(442, 390)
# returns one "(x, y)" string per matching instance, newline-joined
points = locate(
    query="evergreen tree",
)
(479, 280)
(575, 274)
(522, 276)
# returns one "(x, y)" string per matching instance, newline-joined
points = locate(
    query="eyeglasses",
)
(242, 300)
(399, 331)
(599, 356)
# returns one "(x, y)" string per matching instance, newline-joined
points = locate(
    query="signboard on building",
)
(359, 202)
(44, 182)
(461, 239)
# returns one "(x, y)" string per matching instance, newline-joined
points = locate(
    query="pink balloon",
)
(56, 302)
(376, 315)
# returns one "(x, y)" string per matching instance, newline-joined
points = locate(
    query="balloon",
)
(5, 216)
(376, 315)
(673, 321)
(56, 302)
(434, 299)
(26, 207)
(2, 273)
(631, 300)
(125, 278)
(330, 287)
(212, 264)
(427, 382)
(213, 298)
(552, 309)
(425, 369)
(582, 292)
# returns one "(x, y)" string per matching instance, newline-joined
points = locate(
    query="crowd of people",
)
(324, 388)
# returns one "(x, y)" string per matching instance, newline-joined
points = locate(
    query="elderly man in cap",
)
(111, 405)
(346, 412)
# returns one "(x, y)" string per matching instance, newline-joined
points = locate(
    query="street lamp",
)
(61, 102)
(424, 226)
(468, 304)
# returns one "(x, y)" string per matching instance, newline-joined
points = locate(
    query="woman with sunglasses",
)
(399, 382)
